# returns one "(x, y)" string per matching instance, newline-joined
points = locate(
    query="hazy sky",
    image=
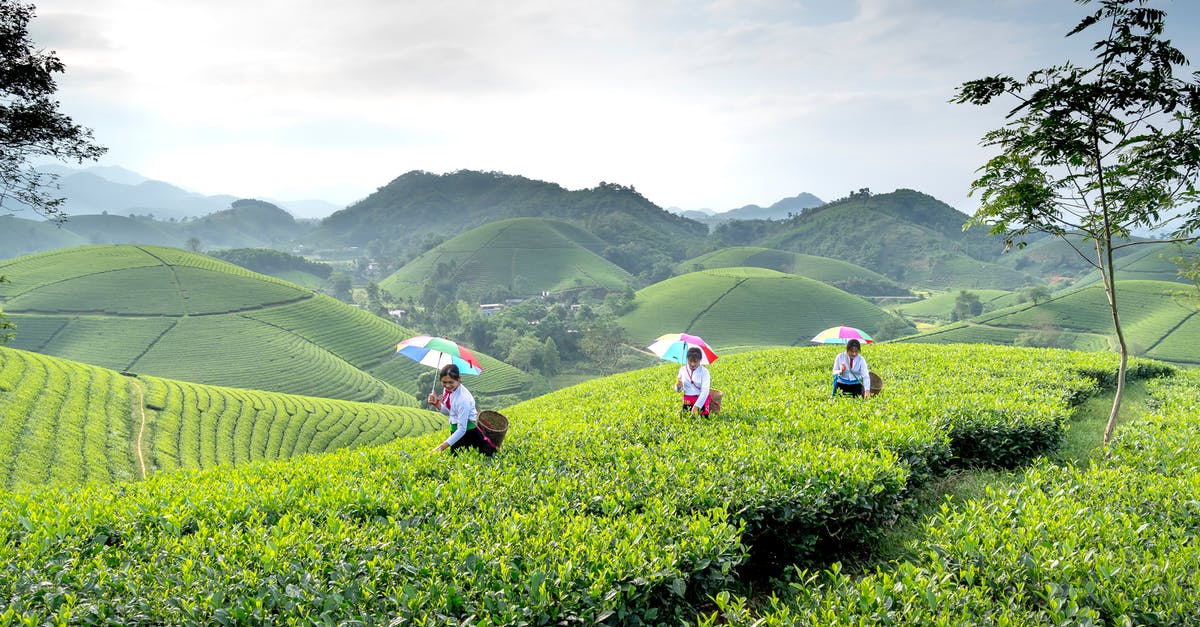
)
(697, 104)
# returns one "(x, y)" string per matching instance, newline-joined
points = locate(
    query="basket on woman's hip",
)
(494, 425)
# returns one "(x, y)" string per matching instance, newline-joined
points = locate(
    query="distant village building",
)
(488, 309)
(397, 313)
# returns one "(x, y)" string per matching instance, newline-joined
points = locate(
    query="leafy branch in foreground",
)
(31, 125)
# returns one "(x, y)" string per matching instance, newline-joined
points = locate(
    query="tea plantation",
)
(64, 423)
(607, 506)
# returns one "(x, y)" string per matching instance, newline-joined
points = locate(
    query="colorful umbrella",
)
(674, 347)
(840, 335)
(437, 352)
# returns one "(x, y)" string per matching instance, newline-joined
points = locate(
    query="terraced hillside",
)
(179, 315)
(746, 306)
(1148, 263)
(64, 423)
(1161, 320)
(843, 275)
(525, 256)
(938, 309)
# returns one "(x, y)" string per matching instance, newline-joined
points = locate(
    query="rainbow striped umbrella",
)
(840, 335)
(674, 347)
(438, 352)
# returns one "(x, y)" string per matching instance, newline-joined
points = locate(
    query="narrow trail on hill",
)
(141, 409)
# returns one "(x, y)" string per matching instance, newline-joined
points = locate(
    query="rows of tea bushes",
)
(605, 504)
(1110, 544)
(201, 426)
(62, 422)
(65, 423)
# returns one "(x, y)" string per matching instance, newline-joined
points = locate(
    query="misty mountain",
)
(778, 211)
(116, 190)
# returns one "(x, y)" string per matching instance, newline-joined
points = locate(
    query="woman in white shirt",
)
(694, 382)
(850, 374)
(457, 403)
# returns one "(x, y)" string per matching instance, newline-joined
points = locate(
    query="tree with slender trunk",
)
(1096, 150)
(31, 126)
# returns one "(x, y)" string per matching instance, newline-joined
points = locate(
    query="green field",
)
(1149, 263)
(841, 274)
(622, 512)
(756, 306)
(1159, 319)
(179, 315)
(940, 307)
(64, 423)
(525, 256)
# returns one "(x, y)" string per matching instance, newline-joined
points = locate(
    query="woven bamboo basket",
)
(494, 425)
(876, 383)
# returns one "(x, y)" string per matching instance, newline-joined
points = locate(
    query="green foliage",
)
(638, 516)
(272, 262)
(31, 125)
(1109, 543)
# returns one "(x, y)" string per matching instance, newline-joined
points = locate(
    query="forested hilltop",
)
(421, 209)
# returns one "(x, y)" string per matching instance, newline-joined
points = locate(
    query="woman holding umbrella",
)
(457, 403)
(695, 383)
(850, 371)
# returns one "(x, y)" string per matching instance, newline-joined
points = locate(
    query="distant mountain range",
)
(116, 190)
(783, 209)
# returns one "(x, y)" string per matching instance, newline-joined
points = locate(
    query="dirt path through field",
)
(141, 409)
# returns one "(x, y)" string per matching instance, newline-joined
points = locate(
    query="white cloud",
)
(696, 103)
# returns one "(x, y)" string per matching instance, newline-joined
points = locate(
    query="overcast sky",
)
(697, 104)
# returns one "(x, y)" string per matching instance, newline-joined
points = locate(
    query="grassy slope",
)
(940, 307)
(823, 269)
(752, 306)
(19, 236)
(66, 423)
(525, 255)
(1159, 320)
(179, 315)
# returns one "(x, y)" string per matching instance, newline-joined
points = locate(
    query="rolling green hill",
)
(523, 256)
(908, 236)
(1160, 319)
(19, 236)
(1057, 260)
(419, 205)
(938, 308)
(180, 315)
(840, 274)
(1150, 262)
(746, 306)
(65, 423)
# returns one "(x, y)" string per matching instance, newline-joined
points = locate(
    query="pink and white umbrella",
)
(841, 335)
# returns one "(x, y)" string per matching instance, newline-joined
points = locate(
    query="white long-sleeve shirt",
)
(856, 370)
(460, 407)
(694, 383)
